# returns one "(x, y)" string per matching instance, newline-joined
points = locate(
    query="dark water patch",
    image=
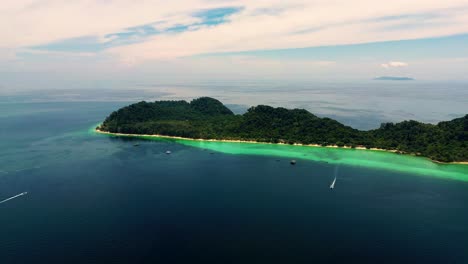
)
(97, 199)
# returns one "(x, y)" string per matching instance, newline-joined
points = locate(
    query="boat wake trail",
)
(13, 197)
(332, 185)
(18, 170)
(32, 168)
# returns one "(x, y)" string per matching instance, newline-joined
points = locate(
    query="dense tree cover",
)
(446, 141)
(209, 119)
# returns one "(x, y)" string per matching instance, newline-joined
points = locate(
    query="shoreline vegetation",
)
(97, 130)
(208, 119)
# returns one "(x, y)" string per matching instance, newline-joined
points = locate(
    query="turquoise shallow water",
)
(99, 199)
(353, 157)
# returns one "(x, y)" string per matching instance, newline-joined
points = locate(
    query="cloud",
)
(137, 34)
(332, 24)
(137, 31)
(394, 64)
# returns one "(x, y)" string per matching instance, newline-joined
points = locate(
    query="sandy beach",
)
(256, 142)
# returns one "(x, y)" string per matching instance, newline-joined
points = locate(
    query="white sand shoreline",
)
(256, 142)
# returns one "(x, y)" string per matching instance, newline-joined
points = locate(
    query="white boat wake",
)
(32, 168)
(18, 170)
(13, 197)
(332, 186)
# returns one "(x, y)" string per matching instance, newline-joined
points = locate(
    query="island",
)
(206, 118)
(393, 78)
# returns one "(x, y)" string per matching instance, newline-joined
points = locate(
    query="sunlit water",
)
(99, 199)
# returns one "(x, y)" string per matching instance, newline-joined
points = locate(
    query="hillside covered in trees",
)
(207, 118)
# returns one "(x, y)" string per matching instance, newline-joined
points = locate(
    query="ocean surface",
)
(94, 198)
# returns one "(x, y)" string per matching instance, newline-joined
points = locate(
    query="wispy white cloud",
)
(162, 36)
(394, 64)
(260, 25)
(333, 23)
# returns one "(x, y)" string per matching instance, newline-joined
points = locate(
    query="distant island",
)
(207, 118)
(393, 78)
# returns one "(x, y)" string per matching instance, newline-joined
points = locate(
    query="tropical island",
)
(393, 78)
(207, 118)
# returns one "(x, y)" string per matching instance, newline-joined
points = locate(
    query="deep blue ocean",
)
(99, 199)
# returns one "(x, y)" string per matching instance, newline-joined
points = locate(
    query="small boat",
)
(136, 145)
(168, 152)
(332, 186)
(293, 162)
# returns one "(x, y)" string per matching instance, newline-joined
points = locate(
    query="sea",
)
(93, 198)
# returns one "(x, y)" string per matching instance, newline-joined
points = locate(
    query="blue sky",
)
(440, 47)
(205, 39)
(136, 34)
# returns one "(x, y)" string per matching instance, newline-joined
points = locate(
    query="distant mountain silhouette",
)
(393, 78)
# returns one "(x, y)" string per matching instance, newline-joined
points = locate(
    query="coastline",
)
(256, 142)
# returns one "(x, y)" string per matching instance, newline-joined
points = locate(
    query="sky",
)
(111, 40)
